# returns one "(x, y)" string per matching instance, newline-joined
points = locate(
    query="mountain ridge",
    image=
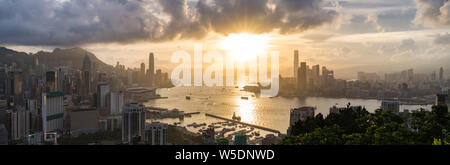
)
(58, 57)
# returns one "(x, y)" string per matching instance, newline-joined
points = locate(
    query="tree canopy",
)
(356, 126)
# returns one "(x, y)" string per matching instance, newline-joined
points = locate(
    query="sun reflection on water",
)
(246, 110)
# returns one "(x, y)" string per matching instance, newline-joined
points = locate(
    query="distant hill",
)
(59, 57)
(8, 56)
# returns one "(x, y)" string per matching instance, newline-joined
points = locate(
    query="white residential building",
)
(52, 111)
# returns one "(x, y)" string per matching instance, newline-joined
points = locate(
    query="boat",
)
(237, 118)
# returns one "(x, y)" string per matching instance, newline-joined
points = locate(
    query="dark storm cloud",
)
(261, 16)
(73, 22)
(48, 22)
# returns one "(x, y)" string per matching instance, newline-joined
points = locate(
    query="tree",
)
(359, 127)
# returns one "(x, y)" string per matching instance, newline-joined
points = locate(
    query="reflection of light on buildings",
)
(246, 110)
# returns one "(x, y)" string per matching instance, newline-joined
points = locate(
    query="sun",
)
(244, 46)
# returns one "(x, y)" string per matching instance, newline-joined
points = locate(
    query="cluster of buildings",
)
(321, 82)
(307, 80)
(136, 131)
(144, 77)
(39, 104)
(403, 84)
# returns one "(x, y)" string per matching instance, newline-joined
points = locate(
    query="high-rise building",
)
(151, 68)
(302, 77)
(133, 122)
(2, 81)
(86, 77)
(18, 123)
(296, 64)
(87, 65)
(50, 81)
(116, 103)
(441, 99)
(85, 85)
(156, 133)
(316, 72)
(61, 73)
(14, 88)
(157, 78)
(298, 114)
(433, 76)
(142, 70)
(390, 105)
(102, 92)
(52, 111)
(410, 75)
(441, 74)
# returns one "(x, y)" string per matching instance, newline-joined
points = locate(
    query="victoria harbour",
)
(268, 112)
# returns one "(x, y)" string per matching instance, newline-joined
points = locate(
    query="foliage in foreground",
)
(359, 127)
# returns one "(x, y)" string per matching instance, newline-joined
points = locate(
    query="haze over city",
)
(348, 36)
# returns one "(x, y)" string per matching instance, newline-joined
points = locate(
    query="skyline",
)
(378, 36)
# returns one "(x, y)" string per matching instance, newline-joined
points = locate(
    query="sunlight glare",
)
(244, 47)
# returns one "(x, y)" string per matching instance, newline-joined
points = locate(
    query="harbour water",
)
(267, 112)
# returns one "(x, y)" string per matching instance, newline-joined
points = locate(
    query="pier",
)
(243, 123)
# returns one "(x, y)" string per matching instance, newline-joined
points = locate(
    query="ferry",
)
(244, 97)
(237, 118)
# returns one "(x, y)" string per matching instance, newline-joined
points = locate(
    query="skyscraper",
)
(441, 74)
(50, 81)
(142, 69)
(61, 73)
(2, 81)
(14, 88)
(52, 111)
(102, 91)
(433, 76)
(151, 68)
(302, 79)
(133, 122)
(18, 123)
(410, 75)
(156, 133)
(296, 64)
(116, 103)
(316, 73)
(86, 63)
(86, 79)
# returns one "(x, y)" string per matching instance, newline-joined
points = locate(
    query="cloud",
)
(317, 37)
(373, 19)
(407, 45)
(74, 22)
(443, 39)
(49, 22)
(432, 13)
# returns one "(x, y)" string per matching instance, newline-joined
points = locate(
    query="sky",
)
(345, 35)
